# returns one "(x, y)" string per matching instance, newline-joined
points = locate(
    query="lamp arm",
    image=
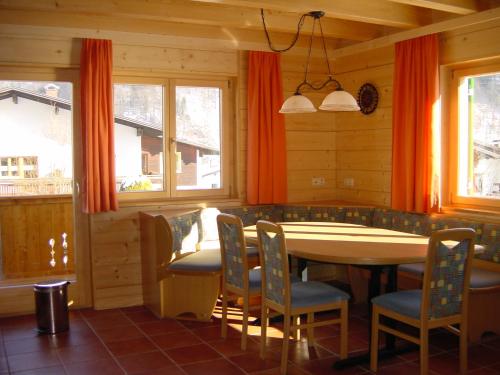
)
(316, 88)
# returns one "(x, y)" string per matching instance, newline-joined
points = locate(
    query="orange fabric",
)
(266, 151)
(415, 98)
(99, 191)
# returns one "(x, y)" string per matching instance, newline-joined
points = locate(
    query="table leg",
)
(373, 291)
(302, 269)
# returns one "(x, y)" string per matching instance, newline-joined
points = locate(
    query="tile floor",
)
(133, 341)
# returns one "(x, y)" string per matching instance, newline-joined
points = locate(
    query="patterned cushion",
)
(382, 218)
(410, 222)
(274, 266)
(358, 215)
(447, 279)
(254, 279)
(334, 214)
(296, 213)
(405, 302)
(311, 293)
(233, 254)
(184, 226)
(491, 238)
(201, 261)
(438, 223)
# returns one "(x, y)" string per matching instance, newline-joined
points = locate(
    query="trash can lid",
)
(51, 284)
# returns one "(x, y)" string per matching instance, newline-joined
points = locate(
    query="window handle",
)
(173, 140)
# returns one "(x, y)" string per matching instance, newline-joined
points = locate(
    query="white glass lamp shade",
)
(339, 100)
(297, 104)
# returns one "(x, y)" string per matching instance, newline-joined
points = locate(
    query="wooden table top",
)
(346, 243)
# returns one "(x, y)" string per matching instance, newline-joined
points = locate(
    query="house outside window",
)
(172, 136)
(36, 151)
(475, 160)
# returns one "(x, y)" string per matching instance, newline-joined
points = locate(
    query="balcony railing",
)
(35, 186)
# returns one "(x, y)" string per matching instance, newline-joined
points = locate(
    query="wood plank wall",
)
(334, 146)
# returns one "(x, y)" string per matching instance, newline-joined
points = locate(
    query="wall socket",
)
(318, 181)
(349, 182)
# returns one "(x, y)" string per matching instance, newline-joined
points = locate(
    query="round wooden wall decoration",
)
(367, 98)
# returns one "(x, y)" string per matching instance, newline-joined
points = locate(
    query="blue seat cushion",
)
(310, 293)
(479, 278)
(405, 302)
(254, 279)
(201, 261)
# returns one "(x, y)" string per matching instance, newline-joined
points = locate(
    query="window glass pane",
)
(198, 134)
(479, 118)
(36, 151)
(138, 137)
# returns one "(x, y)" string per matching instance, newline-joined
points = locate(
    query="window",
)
(36, 152)
(171, 136)
(476, 161)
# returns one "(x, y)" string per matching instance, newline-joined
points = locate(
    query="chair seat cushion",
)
(310, 293)
(405, 302)
(480, 278)
(254, 279)
(201, 261)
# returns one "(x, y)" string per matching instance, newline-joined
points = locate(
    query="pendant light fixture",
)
(338, 100)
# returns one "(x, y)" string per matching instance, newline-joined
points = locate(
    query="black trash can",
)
(51, 301)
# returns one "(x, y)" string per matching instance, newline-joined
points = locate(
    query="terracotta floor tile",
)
(141, 316)
(171, 370)
(131, 309)
(483, 355)
(55, 370)
(333, 344)
(192, 324)
(324, 367)
(251, 362)
(81, 353)
(214, 333)
(213, 367)
(290, 370)
(406, 368)
(19, 332)
(89, 313)
(28, 320)
(232, 346)
(144, 362)
(300, 352)
(191, 354)
(72, 338)
(483, 371)
(447, 364)
(108, 321)
(176, 340)
(34, 360)
(120, 333)
(3, 365)
(132, 346)
(28, 345)
(100, 367)
(161, 327)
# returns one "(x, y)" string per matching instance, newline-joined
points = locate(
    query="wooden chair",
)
(237, 277)
(180, 286)
(294, 299)
(442, 302)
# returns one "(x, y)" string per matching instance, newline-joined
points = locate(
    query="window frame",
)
(451, 145)
(169, 82)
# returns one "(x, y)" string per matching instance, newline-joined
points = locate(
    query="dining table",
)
(375, 249)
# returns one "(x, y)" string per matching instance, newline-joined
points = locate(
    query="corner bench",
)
(199, 229)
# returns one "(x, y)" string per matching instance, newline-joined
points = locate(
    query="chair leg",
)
(310, 330)
(344, 350)
(424, 351)
(263, 330)
(224, 314)
(244, 328)
(296, 332)
(286, 339)
(374, 340)
(463, 347)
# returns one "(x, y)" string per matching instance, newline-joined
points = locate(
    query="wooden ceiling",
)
(346, 23)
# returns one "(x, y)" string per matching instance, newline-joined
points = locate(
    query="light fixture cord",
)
(310, 50)
(299, 26)
(324, 49)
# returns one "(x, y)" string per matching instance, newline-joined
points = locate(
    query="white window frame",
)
(169, 161)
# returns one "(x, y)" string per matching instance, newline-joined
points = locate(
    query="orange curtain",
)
(266, 151)
(98, 187)
(415, 103)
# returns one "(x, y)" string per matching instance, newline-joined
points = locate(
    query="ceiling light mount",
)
(338, 100)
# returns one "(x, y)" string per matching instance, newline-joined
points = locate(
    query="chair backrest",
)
(447, 273)
(274, 263)
(164, 241)
(233, 250)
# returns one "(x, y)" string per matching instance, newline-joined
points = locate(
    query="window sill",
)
(490, 214)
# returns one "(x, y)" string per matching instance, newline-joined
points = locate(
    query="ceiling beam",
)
(453, 24)
(201, 13)
(370, 11)
(462, 7)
